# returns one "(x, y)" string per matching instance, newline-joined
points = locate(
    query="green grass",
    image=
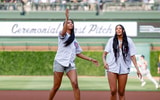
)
(85, 83)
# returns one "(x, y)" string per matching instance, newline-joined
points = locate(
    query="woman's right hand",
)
(67, 13)
(65, 23)
(106, 66)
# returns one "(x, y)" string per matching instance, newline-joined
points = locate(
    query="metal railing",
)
(107, 6)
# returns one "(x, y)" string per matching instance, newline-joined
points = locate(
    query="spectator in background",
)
(101, 4)
(145, 71)
(63, 5)
(23, 2)
(44, 4)
(52, 4)
(97, 7)
(10, 3)
(145, 4)
(35, 4)
(148, 4)
(74, 5)
(92, 5)
(84, 5)
(123, 5)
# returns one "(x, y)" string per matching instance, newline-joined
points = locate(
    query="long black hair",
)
(125, 47)
(72, 36)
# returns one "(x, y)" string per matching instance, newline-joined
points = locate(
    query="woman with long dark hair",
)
(68, 49)
(119, 52)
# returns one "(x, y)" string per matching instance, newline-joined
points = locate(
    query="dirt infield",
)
(45, 48)
(68, 95)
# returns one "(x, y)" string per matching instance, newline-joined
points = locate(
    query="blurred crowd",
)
(84, 5)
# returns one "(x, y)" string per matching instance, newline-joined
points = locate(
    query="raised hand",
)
(67, 13)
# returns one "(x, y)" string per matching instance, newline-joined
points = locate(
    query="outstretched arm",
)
(65, 23)
(80, 55)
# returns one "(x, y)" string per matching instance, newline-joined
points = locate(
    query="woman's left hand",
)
(95, 62)
(139, 74)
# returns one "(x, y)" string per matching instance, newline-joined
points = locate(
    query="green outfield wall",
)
(21, 63)
(41, 63)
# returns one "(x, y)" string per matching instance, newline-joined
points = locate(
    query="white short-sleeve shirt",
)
(66, 55)
(119, 66)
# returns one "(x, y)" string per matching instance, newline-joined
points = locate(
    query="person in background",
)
(97, 7)
(92, 5)
(10, 3)
(68, 49)
(53, 4)
(119, 52)
(158, 69)
(23, 2)
(35, 4)
(43, 4)
(145, 71)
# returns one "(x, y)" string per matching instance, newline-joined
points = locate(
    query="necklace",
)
(120, 43)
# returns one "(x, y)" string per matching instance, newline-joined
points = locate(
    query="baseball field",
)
(92, 88)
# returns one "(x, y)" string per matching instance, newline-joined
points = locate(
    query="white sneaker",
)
(143, 84)
(157, 86)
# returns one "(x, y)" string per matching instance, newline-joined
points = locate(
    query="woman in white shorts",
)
(68, 49)
(120, 51)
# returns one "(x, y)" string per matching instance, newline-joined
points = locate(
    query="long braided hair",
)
(72, 36)
(124, 48)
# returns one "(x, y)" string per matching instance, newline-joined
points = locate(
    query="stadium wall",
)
(148, 29)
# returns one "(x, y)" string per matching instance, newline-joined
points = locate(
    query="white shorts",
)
(145, 72)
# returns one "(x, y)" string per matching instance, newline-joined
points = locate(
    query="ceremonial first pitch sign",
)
(51, 29)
